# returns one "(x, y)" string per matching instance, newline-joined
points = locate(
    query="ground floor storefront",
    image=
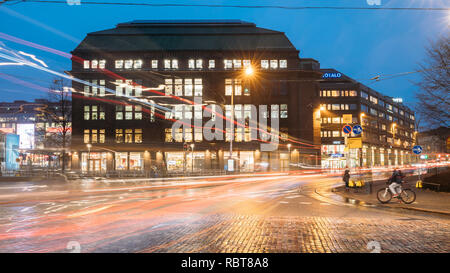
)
(183, 162)
(336, 156)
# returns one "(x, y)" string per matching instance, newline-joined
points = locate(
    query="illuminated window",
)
(137, 64)
(168, 86)
(86, 64)
(119, 64)
(237, 63)
(178, 87)
(246, 63)
(119, 87)
(264, 64)
(94, 136)
(168, 134)
(228, 64)
(198, 135)
(198, 87)
(233, 85)
(138, 135)
(119, 135)
(128, 112)
(128, 64)
(101, 136)
(352, 93)
(154, 64)
(170, 64)
(212, 64)
(102, 64)
(274, 111)
(199, 63)
(273, 64)
(191, 64)
(94, 64)
(188, 87)
(86, 136)
(119, 112)
(283, 111)
(283, 63)
(94, 112)
(128, 135)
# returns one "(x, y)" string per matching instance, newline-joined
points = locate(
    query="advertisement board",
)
(12, 152)
(26, 135)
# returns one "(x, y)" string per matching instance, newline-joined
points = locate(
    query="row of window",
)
(184, 87)
(192, 64)
(338, 106)
(389, 107)
(376, 113)
(121, 136)
(338, 93)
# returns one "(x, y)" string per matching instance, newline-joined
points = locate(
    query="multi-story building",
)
(435, 143)
(388, 125)
(30, 121)
(138, 79)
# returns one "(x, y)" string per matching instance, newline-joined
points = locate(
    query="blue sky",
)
(361, 44)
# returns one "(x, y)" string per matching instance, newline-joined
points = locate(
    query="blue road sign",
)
(347, 129)
(357, 129)
(417, 149)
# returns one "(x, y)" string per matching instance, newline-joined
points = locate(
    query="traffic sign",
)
(357, 129)
(347, 129)
(354, 143)
(417, 149)
(347, 118)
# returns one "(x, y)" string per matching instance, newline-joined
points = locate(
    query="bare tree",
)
(58, 113)
(433, 96)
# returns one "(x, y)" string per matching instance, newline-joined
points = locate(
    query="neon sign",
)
(331, 75)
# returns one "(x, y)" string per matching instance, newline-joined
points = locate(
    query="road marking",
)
(284, 202)
(325, 204)
(305, 203)
(293, 196)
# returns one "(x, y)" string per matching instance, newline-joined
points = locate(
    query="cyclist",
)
(396, 181)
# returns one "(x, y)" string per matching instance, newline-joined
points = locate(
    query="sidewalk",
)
(426, 200)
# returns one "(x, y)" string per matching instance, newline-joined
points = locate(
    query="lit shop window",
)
(233, 85)
(170, 64)
(168, 135)
(94, 112)
(97, 88)
(195, 64)
(154, 64)
(94, 136)
(94, 64)
(283, 63)
(212, 64)
(265, 64)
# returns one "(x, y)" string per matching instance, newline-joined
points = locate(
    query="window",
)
(119, 64)
(127, 87)
(233, 85)
(273, 64)
(188, 87)
(274, 111)
(128, 135)
(228, 64)
(364, 95)
(374, 100)
(246, 63)
(373, 112)
(192, 64)
(198, 87)
(94, 64)
(154, 64)
(168, 86)
(97, 88)
(170, 64)
(94, 136)
(128, 64)
(264, 64)
(284, 112)
(94, 112)
(211, 64)
(137, 64)
(237, 63)
(352, 93)
(364, 108)
(137, 135)
(283, 63)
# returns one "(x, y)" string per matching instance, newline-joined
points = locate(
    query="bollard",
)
(419, 184)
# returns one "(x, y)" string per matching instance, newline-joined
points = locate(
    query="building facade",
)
(388, 125)
(135, 81)
(37, 132)
(435, 144)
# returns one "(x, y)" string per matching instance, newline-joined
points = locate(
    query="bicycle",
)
(406, 195)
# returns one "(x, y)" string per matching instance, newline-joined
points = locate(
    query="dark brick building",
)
(140, 77)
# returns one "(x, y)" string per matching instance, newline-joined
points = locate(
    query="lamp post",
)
(247, 73)
(89, 156)
(360, 149)
(192, 158)
(289, 153)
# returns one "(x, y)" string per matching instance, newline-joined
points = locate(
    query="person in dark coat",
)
(346, 178)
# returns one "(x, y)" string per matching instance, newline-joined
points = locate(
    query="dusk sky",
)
(359, 43)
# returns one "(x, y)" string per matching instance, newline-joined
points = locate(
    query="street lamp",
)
(89, 156)
(289, 153)
(248, 72)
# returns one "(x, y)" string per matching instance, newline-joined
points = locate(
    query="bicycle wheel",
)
(384, 195)
(408, 196)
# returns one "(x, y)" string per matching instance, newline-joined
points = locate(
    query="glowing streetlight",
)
(249, 71)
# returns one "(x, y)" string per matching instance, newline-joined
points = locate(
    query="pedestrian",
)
(346, 178)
